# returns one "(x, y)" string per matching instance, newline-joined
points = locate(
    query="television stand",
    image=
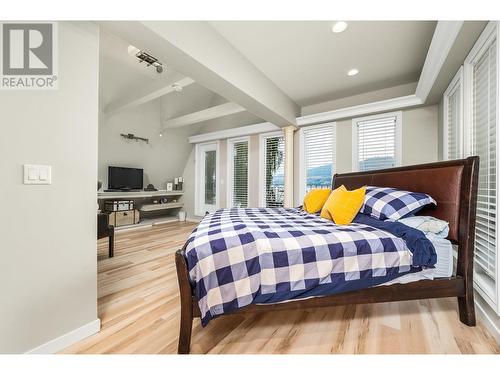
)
(121, 190)
(150, 213)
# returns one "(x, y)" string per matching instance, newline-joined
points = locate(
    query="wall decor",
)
(134, 137)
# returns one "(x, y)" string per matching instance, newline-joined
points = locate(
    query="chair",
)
(106, 230)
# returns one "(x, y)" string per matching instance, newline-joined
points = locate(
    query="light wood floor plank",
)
(139, 310)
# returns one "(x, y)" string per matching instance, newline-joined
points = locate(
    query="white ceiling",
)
(120, 73)
(309, 62)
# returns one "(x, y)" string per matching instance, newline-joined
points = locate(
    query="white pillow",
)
(427, 224)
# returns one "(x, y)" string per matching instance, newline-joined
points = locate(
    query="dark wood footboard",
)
(453, 184)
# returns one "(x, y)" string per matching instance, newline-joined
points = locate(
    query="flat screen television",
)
(120, 178)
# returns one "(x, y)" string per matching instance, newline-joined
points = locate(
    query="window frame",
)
(198, 209)
(457, 80)
(302, 155)
(262, 162)
(489, 291)
(230, 169)
(398, 136)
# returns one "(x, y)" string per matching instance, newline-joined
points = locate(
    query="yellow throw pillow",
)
(343, 205)
(315, 199)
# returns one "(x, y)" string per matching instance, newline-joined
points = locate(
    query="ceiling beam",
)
(146, 94)
(204, 115)
(444, 37)
(200, 52)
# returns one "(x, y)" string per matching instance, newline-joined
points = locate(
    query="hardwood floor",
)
(139, 312)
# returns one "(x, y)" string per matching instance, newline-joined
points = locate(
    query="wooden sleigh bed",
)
(453, 184)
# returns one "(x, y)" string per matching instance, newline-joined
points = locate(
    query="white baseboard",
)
(488, 317)
(61, 342)
(194, 219)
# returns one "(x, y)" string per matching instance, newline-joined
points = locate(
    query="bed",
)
(257, 237)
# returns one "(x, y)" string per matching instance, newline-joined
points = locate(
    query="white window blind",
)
(483, 144)
(240, 174)
(318, 146)
(376, 142)
(453, 118)
(274, 189)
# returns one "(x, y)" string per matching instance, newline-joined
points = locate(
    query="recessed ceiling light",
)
(352, 72)
(339, 26)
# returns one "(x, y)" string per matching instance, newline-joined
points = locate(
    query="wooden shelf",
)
(144, 223)
(160, 206)
(137, 194)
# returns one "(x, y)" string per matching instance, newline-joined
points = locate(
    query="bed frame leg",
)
(466, 310)
(186, 296)
(185, 332)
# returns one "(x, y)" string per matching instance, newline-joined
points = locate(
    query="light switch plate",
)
(37, 174)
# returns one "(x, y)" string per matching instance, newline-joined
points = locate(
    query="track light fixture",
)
(145, 57)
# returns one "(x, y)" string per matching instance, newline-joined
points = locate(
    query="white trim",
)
(482, 43)
(488, 318)
(452, 87)
(197, 203)
(302, 156)
(262, 163)
(490, 294)
(475, 53)
(69, 338)
(398, 135)
(360, 110)
(230, 168)
(443, 39)
(234, 132)
(302, 168)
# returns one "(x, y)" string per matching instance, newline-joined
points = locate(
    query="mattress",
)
(237, 257)
(443, 267)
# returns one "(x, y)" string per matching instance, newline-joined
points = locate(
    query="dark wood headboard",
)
(453, 184)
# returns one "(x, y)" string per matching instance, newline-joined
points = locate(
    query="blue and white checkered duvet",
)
(237, 257)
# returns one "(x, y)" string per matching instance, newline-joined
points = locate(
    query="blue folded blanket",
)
(424, 254)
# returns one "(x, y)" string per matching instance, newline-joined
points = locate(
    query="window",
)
(317, 148)
(481, 138)
(376, 141)
(272, 170)
(237, 172)
(207, 159)
(452, 118)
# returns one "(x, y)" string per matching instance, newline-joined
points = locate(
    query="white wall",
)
(226, 122)
(48, 232)
(420, 145)
(419, 141)
(163, 159)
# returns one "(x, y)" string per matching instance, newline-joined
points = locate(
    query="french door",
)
(207, 156)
